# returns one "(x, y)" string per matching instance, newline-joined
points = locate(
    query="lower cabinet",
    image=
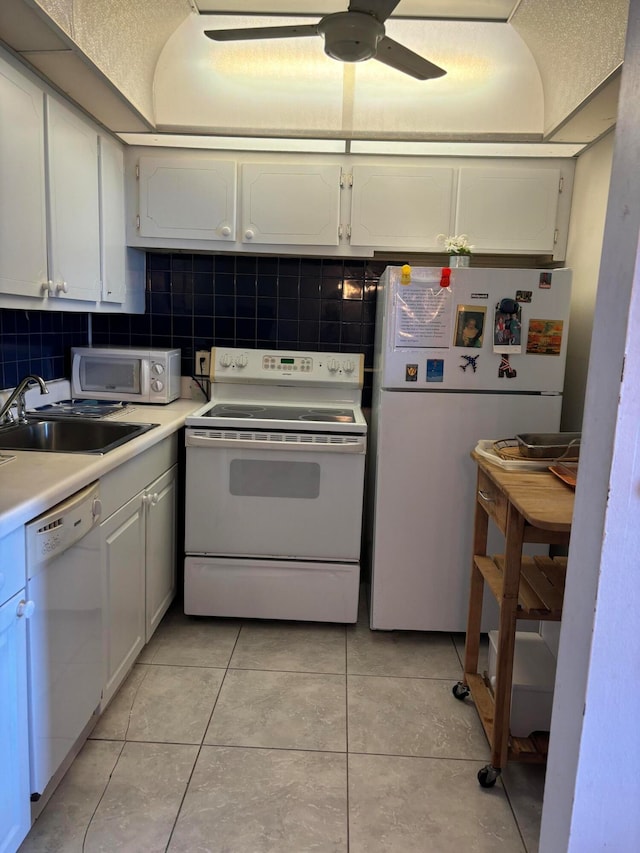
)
(138, 557)
(123, 567)
(15, 808)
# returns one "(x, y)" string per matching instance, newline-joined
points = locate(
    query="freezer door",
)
(424, 500)
(429, 334)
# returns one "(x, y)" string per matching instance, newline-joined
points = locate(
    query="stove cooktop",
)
(281, 413)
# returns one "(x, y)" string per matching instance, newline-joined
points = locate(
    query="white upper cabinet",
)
(508, 209)
(404, 207)
(290, 204)
(187, 199)
(112, 221)
(74, 246)
(23, 247)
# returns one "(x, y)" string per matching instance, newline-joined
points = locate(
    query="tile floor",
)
(278, 737)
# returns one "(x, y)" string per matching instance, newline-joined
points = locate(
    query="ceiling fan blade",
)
(241, 33)
(398, 56)
(379, 9)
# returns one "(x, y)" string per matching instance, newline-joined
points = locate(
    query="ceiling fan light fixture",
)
(351, 36)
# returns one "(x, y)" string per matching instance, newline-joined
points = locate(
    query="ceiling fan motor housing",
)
(350, 36)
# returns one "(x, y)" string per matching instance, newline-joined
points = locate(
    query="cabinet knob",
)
(25, 608)
(47, 287)
(225, 231)
(249, 234)
(62, 287)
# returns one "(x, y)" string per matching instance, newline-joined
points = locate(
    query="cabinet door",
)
(192, 199)
(290, 204)
(508, 210)
(74, 244)
(122, 544)
(23, 248)
(403, 207)
(15, 808)
(160, 500)
(112, 222)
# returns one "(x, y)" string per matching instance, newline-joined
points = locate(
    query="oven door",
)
(274, 494)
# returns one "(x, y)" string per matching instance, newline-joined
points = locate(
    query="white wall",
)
(586, 230)
(593, 783)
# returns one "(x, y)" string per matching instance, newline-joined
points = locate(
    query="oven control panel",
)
(231, 364)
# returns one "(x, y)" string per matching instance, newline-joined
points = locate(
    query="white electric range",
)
(274, 487)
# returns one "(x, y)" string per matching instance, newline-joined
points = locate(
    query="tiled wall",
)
(196, 301)
(38, 342)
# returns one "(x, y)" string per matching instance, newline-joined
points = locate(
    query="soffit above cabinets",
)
(518, 71)
(471, 10)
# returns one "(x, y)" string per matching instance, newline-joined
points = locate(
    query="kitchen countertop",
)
(32, 481)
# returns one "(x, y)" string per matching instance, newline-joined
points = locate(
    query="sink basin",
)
(70, 436)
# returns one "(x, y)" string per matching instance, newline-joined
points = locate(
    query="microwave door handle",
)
(76, 388)
(145, 380)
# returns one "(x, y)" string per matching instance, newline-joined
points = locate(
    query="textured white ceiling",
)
(547, 61)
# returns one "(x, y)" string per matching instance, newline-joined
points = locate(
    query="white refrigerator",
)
(460, 355)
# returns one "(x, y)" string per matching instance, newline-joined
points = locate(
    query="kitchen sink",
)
(70, 436)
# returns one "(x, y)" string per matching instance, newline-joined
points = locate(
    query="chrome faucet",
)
(17, 397)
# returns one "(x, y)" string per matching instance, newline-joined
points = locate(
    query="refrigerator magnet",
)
(469, 361)
(435, 370)
(545, 281)
(469, 326)
(507, 327)
(411, 373)
(544, 337)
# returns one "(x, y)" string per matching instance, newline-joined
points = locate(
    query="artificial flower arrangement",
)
(457, 245)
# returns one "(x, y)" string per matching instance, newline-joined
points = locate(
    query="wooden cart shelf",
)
(541, 584)
(526, 507)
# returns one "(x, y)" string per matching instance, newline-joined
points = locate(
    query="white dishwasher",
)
(64, 637)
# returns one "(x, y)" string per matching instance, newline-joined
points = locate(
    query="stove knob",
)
(156, 385)
(157, 368)
(241, 360)
(225, 359)
(348, 366)
(333, 365)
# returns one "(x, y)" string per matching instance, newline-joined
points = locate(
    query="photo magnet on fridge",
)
(544, 337)
(507, 327)
(435, 370)
(545, 280)
(411, 373)
(469, 326)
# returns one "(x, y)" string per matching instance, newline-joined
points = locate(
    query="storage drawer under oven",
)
(274, 495)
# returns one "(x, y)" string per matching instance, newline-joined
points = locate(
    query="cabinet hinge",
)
(348, 232)
(346, 180)
(561, 184)
(138, 222)
(137, 173)
(555, 236)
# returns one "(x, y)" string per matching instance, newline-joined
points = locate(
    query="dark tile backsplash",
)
(196, 301)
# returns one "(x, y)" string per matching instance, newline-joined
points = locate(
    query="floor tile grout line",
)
(101, 798)
(204, 734)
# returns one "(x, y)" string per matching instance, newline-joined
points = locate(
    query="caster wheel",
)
(460, 691)
(487, 776)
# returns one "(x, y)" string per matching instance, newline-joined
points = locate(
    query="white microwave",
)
(125, 373)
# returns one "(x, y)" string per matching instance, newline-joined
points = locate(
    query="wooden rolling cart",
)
(526, 507)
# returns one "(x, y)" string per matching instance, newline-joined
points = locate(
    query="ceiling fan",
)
(351, 36)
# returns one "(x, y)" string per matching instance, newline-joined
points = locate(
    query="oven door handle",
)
(199, 440)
